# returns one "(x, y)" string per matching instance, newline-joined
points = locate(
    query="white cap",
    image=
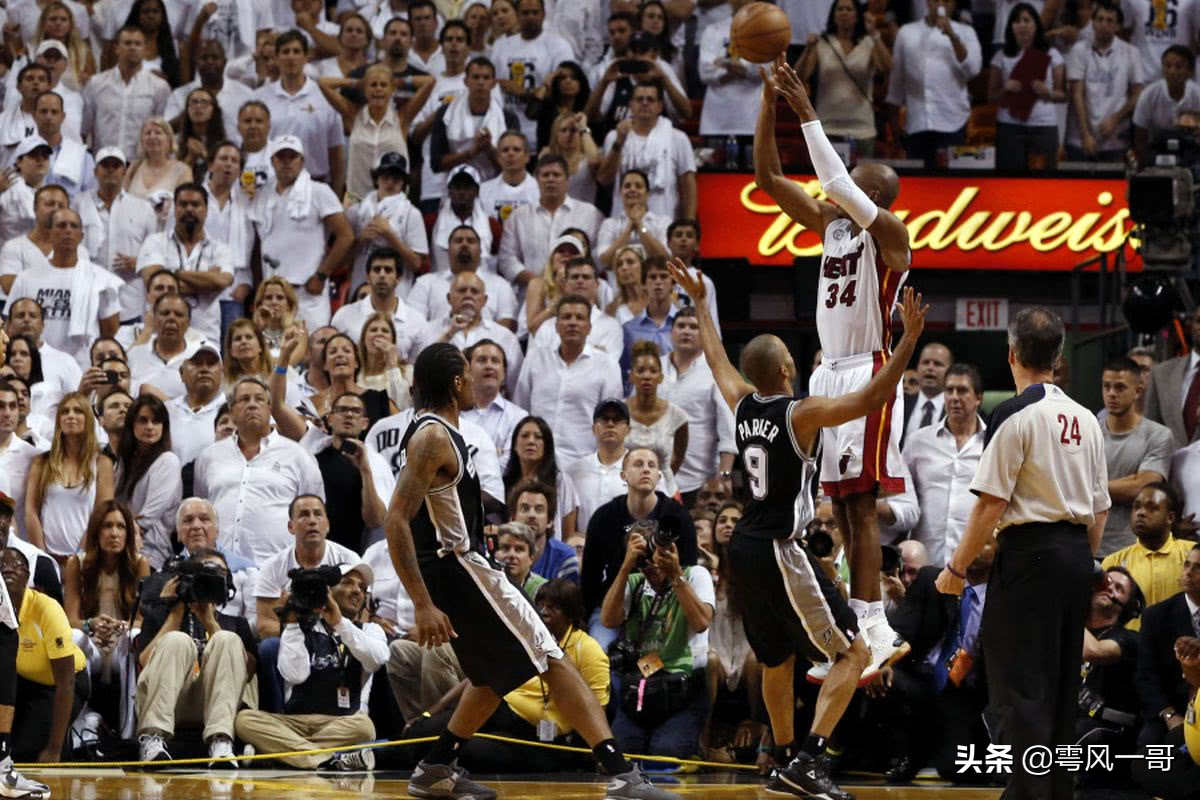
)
(361, 567)
(571, 239)
(465, 169)
(51, 44)
(287, 143)
(29, 144)
(204, 345)
(111, 152)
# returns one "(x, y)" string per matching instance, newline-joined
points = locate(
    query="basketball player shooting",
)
(865, 261)
(789, 605)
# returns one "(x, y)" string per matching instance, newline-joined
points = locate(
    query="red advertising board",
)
(955, 222)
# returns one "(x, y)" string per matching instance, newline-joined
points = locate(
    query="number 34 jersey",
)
(779, 473)
(855, 294)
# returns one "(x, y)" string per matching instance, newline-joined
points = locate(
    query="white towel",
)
(299, 202)
(246, 24)
(462, 125)
(68, 164)
(85, 301)
(239, 223)
(447, 221)
(653, 156)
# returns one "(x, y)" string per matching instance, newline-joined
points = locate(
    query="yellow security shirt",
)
(1156, 571)
(45, 634)
(528, 700)
(1191, 728)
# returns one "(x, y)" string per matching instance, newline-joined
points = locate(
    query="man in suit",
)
(1162, 690)
(1173, 393)
(929, 404)
(941, 682)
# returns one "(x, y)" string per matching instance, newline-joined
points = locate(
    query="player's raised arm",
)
(768, 172)
(731, 383)
(428, 452)
(865, 198)
(821, 412)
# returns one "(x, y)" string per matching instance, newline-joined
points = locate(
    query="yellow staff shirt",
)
(528, 700)
(44, 634)
(1156, 571)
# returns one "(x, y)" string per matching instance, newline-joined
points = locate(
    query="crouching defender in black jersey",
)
(435, 535)
(788, 604)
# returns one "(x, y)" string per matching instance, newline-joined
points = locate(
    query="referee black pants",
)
(1032, 637)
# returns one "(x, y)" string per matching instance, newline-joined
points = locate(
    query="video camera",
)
(1163, 204)
(199, 581)
(310, 587)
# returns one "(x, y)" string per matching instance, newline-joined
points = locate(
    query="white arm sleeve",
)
(835, 180)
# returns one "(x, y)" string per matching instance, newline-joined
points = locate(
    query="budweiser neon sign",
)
(998, 223)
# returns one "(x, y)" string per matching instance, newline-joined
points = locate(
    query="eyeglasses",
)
(348, 411)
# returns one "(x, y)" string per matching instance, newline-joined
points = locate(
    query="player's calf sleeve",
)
(835, 180)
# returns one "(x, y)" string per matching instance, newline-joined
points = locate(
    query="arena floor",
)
(117, 784)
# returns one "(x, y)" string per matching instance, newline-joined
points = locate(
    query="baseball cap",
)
(30, 144)
(362, 568)
(111, 152)
(292, 143)
(464, 170)
(51, 44)
(611, 404)
(206, 347)
(571, 239)
(391, 162)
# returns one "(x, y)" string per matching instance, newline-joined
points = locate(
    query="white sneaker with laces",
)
(15, 785)
(152, 747)
(220, 747)
(887, 647)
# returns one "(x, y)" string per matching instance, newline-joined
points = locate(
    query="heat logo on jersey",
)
(836, 267)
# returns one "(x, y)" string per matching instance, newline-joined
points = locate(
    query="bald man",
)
(466, 324)
(866, 259)
(794, 606)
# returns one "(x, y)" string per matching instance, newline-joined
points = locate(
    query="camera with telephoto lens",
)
(818, 542)
(310, 587)
(656, 536)
(198, 581)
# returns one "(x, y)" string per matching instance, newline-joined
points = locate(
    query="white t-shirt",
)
(273, 580)
(1156, 109)
(664, 195)
(530, 61)
(296, 245)
(1043, 113)
(1156, 25)
(500, 198)
(1107, 78)
(731, 103)
(51, 287)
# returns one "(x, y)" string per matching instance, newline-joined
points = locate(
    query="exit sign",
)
(981, 314)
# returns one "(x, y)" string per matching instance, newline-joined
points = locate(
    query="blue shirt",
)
(558, 560)
(642, 328)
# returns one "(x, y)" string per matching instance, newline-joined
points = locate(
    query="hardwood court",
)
(116, 784)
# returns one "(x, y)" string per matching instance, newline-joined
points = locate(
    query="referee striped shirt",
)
(1045, 455)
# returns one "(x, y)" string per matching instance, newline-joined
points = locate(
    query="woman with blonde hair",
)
(382, 365)
(631, 292)
(66, 484)
(545, 289)
(275, 307)
(100, 591)
(157, 169)
(58, 23)
(570, 137)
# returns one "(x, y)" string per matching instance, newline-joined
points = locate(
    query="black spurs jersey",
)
(451, 518)
(778, 472)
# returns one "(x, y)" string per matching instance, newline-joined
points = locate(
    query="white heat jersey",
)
(855, 295)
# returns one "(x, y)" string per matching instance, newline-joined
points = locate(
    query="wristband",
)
(281, 370)
(960, 575)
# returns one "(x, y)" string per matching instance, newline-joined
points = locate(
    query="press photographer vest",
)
(333, 668)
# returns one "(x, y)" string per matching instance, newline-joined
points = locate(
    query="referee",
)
(1042, 486)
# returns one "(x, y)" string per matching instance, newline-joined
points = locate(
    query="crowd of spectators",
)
(229, 227)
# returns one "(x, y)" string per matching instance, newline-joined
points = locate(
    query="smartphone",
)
(111, 377)
(633, 66)
(348, 447)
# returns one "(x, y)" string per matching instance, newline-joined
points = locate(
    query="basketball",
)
(760, 32)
